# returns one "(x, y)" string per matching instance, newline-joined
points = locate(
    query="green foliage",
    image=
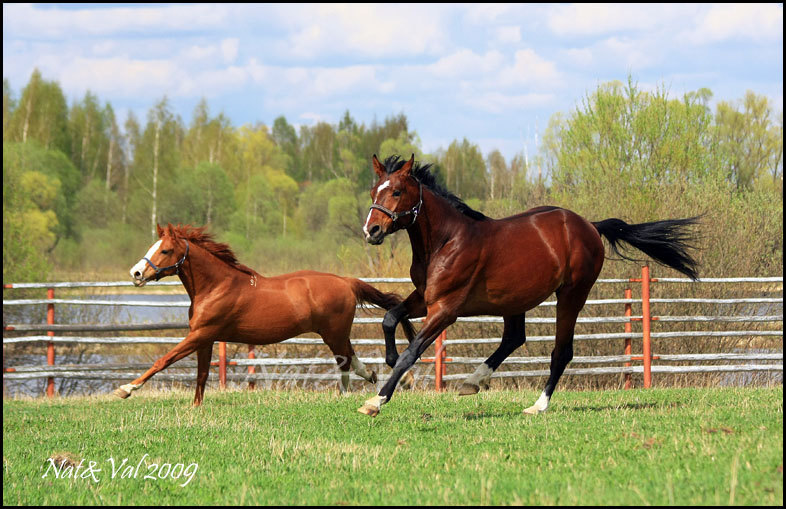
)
(43, 180)
(750, 140)
(330, 204)
(41, 114)
(642, 156)
(465, 170)
(622, 153)
(96, 206)
(199, 196)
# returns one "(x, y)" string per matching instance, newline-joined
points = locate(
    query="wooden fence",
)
(621, 364)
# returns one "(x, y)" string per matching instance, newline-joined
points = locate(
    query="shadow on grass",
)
(625, 406)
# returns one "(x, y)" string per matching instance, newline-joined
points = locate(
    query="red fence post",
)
(645, 325)
(439, 364)
(628, 329)
(50, 346)
(251, 370)
(222, 364)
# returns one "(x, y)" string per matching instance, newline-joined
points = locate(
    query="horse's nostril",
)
(374, 230)
(137, 274)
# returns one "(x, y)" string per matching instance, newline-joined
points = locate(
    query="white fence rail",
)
(769, 362)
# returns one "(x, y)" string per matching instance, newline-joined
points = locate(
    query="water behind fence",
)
(90, 343)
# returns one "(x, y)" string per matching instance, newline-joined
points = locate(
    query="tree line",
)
(84, 189)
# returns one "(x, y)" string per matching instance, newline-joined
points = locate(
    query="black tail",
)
(666, 242)
(365, 293)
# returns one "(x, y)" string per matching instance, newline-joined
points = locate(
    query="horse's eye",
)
(396, 193)
(166, 251)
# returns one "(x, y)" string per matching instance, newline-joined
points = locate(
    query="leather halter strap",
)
(414, 211)
(176, 266)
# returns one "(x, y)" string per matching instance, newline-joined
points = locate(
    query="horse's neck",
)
(437, 222)
(202, 271)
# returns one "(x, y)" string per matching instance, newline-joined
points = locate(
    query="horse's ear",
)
(378, 168)
(159, 230)
(171, 230)
(407, 168)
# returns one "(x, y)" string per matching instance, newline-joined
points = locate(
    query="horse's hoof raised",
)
(121, 393)
(369, 410)
(407, 381)
(373, 378)
(468, 389)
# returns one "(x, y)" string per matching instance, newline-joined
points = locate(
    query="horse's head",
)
(164, 258)
(397, 198)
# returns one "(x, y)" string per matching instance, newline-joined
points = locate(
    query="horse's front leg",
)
(204, 354)
(412, 307)
(439, 317)
(186, 347)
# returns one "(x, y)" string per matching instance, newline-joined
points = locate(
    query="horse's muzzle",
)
(375, 236)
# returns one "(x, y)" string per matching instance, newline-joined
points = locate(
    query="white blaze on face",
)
(141, 264)
(380, 188)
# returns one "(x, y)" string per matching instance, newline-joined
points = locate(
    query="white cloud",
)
(628, 54)
(758, 22)
(229, 48)
(529, 68)
(598, 19)
(120, 76)
(508, 34)
(28, 21)
(466, 63)
(365, 29)
(196, 52)
(487, 12)
(316, 82)
(579, 57)
(497, 102)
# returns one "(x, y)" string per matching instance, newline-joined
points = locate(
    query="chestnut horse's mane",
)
(223, 252)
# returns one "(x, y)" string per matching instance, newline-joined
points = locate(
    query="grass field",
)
(661, 446)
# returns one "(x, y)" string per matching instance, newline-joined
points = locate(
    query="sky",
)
(491, 73)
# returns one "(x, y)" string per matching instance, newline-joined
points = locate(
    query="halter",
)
(395, 215)
(176, 266)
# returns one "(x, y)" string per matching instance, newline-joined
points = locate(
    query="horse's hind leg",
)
(345, 358)
(513, 336)
(569, 302)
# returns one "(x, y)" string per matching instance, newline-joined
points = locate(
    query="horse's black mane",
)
(422, 174)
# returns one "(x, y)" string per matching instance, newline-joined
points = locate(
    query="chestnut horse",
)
(466, 264)
(231, 302)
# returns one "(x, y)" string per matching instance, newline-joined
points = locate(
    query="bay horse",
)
(467, 264)
(231, 302)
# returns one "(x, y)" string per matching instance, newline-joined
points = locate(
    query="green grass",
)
(661, 446)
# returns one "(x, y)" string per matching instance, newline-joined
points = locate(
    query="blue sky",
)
(494, 74)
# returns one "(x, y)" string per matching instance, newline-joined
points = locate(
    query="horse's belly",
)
(270, 320)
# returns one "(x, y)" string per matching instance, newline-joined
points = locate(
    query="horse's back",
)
(530, 255)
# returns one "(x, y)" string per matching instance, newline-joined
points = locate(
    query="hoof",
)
(373, 378)
(121, 393)
(469, 389)
(533, 410)
(407, 381)
(369, 410)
